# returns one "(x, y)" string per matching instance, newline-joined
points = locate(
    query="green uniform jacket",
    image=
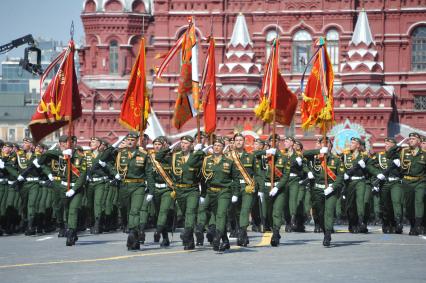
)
(413, 162)
(333, 162)
(221, 174)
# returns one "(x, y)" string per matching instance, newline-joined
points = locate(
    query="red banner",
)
(61, 101)
(136, 99)
(209, 90)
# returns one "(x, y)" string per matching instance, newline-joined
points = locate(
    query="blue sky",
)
(49, 19)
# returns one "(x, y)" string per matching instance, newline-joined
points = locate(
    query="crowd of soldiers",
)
(209, 186)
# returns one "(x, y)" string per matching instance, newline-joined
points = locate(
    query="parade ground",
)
(373, 257)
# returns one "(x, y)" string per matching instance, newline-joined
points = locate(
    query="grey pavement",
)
(372, 257)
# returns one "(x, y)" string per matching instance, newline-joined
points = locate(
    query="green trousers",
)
(355, 196)
(59, 203)
(3, 198)
(391, 201)
(131, 198)
(73, 204)
(246, 200)
(95, 198)
(413, 194)
(187, 201)
(296, 194)
(218, 203)
(307, 202)
(266, 206)
(111, 198)
(29, 197)
(324, 207)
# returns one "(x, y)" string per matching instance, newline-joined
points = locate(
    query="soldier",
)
(413, 165)
(3, 191)
(388, 165)
(133, 171)
(221, 177)
(328, 175)
(186, 165)
(258, 217)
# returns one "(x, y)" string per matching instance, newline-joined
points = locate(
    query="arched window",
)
(332, 38)
(302, 42)
(270, 36)
(113, 57)
(418, 52)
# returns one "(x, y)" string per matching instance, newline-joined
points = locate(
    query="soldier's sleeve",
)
(203, 181)
(339, 182)
(81, 180)
(235, 179)
(284, 179)
(149, 174)
(49, 155)
(11, 166)
(371, 166)
(196, 159)
(259, 153)
(310, 153)
(161, 155)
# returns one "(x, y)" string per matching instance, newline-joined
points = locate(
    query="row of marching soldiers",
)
(212, 187)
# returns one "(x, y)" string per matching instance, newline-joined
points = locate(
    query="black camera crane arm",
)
(28, 39)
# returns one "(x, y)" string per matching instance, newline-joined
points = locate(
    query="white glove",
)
(234, 199)
(260, 195)
(346, 176)
(70, 193)
(271, 151)
(50, 176)
(202, 200)
(117, 176)
(361, 163)
(102, 163)
(310, 175)
(67, 152)
(149, 197)
(376, 189)
(198, 146)
(328, 191)
(299, 161)
(273, 192)
(20, 178)
(35, 162)
(397, 162)
(381, 176)
(324, 150)
(1, 164)
(174, 145)
(206, 149)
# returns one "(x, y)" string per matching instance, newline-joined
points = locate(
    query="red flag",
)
(317, 107)
(209, 90)
(61, 102)
(275, 94)
(136, 99)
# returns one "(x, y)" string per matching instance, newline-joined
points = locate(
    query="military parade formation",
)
(209, 186)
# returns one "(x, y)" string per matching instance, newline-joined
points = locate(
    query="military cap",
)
(79, 148)
(290, 139)
(8, 144)
(358, 140)
(42, 145)
(415, 135)
(225, 138)
(277, 137)
(220, 140)
(160, 139)
(299, 143)
(392, 140)
(104, 142)
(187, 138)
(423, 139)
(363, 143)
(263, 142)
(133, 135)
(238, 135)
(64, 138)
(27, 139)
(202, 135)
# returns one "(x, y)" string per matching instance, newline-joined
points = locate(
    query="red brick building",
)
(379, 58)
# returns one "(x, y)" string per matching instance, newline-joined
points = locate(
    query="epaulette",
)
(141, 149)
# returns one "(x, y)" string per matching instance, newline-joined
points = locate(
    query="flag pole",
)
(70, 125)
(198, 96)
(141, 127)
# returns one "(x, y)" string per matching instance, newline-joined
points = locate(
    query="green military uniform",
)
(134, 170)
(413, 166)
(221, 177)
(11, 200)
(185, 174)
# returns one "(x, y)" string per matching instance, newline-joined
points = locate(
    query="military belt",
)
(3, 180)
(66, 184)
(268, 184)
(357, 178)
(57, 178)
(293, 175)
(242, 181)
(10, 182)
(182, 186)
(160, 186)
(413, 178)
(98, 179)
(215, 189)
(32, 179)
(391, 179)
(140, 180)
(42, 182)
(320, 186)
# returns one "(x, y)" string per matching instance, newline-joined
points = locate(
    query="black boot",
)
(275, 240)
(142, 234)
(189, 236)
(210, 233)
(161, 230)
(418, 226)
(225, 243)
(216, 240)
(317, 228)
(30, 228)
(293, 225)
(133, 240)
(363, 227)
(327, 239)
(157, 237)
(96, 229)
(71, 237)
(199, 235)
(243, 240)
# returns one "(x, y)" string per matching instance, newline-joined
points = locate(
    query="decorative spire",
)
(240, 34)
(362, 32)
